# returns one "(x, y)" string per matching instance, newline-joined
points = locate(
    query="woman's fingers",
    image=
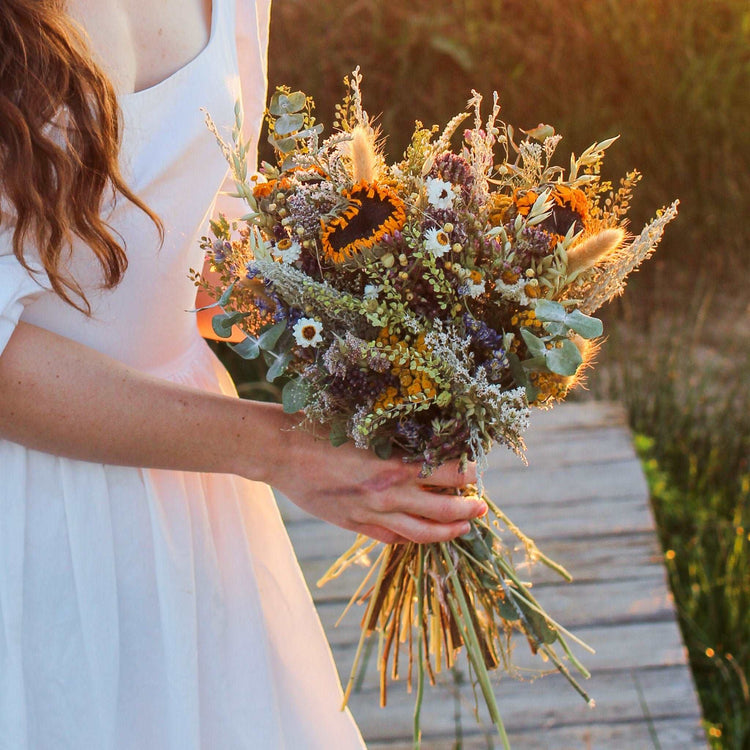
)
(423, 530)
(444, 508)
(441, 508)
(449, 475)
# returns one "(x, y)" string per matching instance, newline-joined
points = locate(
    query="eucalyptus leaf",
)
(565, 360)
(294, 395)
(282, 103)
(267, 340)
(288, 124)
(308, 132)
(531, 392)
(338, 435)
(553, 312)
(383, 447)
(247, 349)
(520, 375)
(226, 296)
(540, 628)
(535, 345)
(274, 106)
(295, 101)
(585, 325)
(289, 162)
(285, 145)
(285, 343)
(559, 330)
(278, 367)
(536, 364)
(205, 307)
(222, 323)
(506, 609)
(547, 310)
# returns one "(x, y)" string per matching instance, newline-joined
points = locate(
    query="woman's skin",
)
(64, 398)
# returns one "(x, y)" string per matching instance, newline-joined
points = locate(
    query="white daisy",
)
(475, 290)
(440, 193)
(437, 242)
(287, 251)
(307, 332)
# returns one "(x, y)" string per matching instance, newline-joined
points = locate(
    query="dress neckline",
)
(213, 33)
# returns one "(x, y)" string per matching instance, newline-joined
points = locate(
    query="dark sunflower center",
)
(370, 215)
(373, 212)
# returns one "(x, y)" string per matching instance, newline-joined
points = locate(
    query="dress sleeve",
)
(17, 288)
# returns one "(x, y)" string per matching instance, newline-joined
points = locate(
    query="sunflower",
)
(374, 211)
(569, 207)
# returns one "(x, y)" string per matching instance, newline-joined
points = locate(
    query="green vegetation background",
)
(672, 77)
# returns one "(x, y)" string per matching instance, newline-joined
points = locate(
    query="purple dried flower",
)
(481, 333)
(533, 245)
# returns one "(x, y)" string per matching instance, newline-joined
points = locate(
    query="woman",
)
(149, 597)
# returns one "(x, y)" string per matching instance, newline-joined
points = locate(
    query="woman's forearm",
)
(64, 398)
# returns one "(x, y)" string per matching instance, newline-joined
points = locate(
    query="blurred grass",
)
(687, 393)
(673, 78)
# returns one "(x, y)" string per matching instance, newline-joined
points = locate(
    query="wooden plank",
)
(562, 484)
(581, 445)
(583, 605)
(671, 734)
(621, 696)
(581, 415)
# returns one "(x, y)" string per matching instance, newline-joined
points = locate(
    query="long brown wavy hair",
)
(59, 144)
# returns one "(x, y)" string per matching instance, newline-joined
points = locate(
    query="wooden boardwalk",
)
(584, 499)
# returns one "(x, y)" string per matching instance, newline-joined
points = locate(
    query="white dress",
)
(144, 609)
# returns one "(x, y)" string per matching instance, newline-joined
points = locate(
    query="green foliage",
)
(559, 321)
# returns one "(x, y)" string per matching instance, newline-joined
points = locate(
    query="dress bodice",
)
(171, 160)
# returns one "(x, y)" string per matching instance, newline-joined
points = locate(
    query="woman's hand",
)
(386, 500)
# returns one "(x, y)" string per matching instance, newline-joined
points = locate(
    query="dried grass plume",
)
(594, 249)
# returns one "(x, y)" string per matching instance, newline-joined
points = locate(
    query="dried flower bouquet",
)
(426, 306)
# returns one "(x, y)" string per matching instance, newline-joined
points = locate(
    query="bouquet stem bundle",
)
(437, 599)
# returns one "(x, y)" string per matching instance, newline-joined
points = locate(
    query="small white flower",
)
(372, 291)
(307, 332)
(440, 193)
(437, 242)
(475, 290)
(287, 251)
